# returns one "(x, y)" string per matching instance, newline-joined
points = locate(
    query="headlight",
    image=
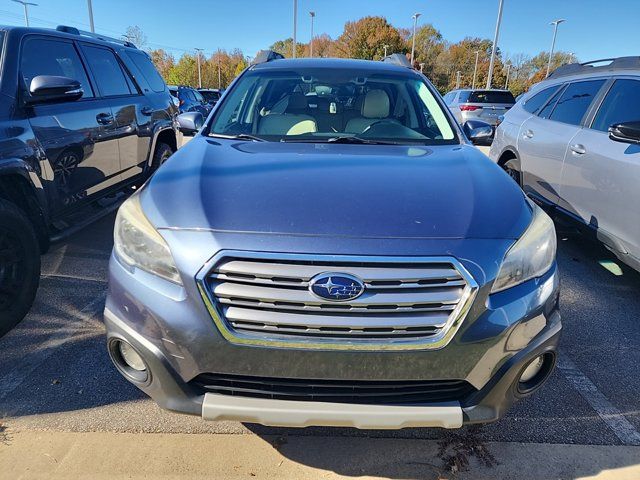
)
(138, 244)
(531, 256)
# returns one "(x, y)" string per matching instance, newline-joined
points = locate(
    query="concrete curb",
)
(63, 455)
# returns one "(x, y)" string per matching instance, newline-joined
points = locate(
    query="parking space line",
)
(615, 420)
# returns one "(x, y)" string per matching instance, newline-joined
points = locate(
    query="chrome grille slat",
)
(443, 295)
(328, 308)
(435, 319)
(307, 271)
(267, 297)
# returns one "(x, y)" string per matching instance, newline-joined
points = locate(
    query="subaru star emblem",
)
(338, 287)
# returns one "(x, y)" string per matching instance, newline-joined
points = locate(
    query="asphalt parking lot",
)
(55, 373)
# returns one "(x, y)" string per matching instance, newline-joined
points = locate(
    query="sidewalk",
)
(55, 455)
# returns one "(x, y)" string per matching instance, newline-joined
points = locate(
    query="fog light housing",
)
(131, 357)
(534, 374)
(129, 361)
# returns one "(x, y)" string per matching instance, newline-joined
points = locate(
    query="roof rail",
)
(398, 59)
(264, 56)
(608, 64)
(75, 31)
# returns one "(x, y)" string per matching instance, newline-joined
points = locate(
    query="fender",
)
(15, 166)
(168, 124)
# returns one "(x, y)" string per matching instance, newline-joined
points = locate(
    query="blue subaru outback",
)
(331, 249)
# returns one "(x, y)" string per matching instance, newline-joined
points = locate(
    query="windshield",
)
(328, 104)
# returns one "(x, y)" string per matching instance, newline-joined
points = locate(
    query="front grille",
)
(405, 300)
(339, 391)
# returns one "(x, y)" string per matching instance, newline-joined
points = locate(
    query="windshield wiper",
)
(240, 136)
(359, 141)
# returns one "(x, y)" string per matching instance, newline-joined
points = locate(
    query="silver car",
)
(485, 105)
(573, 143)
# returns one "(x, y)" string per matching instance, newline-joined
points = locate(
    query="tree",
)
(185, 72)
(366, 38)
(429, 44)
(323, 47)
(163, 61)
(285, 47)
(135, 35)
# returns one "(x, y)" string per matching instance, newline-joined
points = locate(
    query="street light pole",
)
(313, 15)
(385, 50)
(198, 50)
(475, 70)
(494, 47)
(555, 24)
(506, 83)
(295, 28)
(413, 43)
(26, 13)
(90, 7)
(457, 79)
(219, 72)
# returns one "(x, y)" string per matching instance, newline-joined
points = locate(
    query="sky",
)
(594, 28)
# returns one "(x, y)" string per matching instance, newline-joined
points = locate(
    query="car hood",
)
(336, 190)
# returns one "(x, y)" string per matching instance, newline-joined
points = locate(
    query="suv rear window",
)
(491, 96)
(148, 71)
(575, 101)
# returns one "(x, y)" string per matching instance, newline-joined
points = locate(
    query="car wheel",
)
(19, 265)
(161, 155)
(513, 170)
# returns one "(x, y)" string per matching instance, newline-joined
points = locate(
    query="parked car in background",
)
(573, 144)
(189, 99)
(345, 258)
(82, 119)
(211, 95)
(485, 105)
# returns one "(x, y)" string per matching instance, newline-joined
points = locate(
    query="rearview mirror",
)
(50, 88)
(190, 122)
(480, 133)
(627, 132)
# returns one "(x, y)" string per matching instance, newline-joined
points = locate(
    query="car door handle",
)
(528, 134)
(578, 149)
(104, 118)
(146, 110)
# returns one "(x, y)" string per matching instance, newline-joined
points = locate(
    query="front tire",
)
(19, 265)
(162, 153)
(513, 170)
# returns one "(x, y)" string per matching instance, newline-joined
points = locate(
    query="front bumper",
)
(488, 404)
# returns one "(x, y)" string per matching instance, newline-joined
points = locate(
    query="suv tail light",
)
(469, 108)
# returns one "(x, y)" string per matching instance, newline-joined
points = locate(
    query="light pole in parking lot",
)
(90, 7)
(198, 53)
(312, 15)
(26, 13)
(457, 79)
(555, 24)
(475, 71)
(413, 43)
(295, 28)
(506, 83)
(494, 47)
(385, 46)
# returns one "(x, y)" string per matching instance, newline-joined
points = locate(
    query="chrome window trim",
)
(434, 342)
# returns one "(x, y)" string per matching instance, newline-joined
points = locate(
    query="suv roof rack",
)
(608, 64)
(75, 31)
(398, 59)
(264, 56)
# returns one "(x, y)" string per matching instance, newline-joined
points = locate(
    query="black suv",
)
(83, 119)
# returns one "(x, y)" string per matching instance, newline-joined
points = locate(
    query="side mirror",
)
(51, 88)
(190, 122)
(480, 133)
(627, 132)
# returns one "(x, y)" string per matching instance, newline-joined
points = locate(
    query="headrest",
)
(297, 102)
(376, 104)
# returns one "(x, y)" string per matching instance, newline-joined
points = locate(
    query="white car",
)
(573, 144)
